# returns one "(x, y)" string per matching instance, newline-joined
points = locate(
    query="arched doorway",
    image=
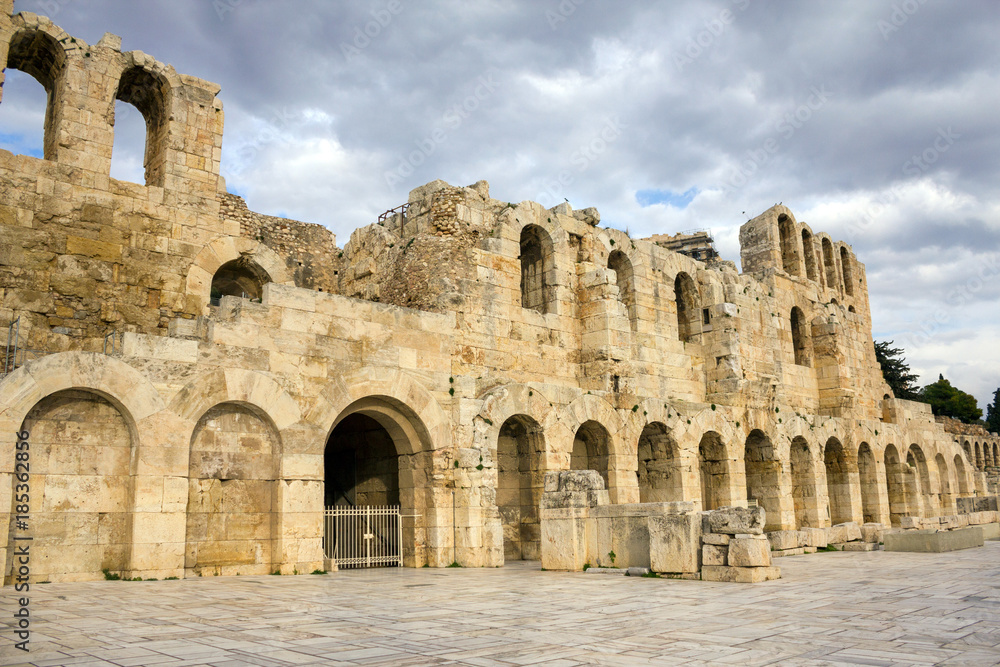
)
(375, 454)
(946, 499)
(764, 478)
(520, 482)
(714, 466)
(240, 277)
(625, 279)
(895, 480)
(232, 503)
(916, 460)
(868, 473)
(839, 482)
(81, 501)
(590, 449)
(805, 495)
(659, 466)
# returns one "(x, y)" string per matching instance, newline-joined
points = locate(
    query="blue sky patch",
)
(668, 197)
(19, 144)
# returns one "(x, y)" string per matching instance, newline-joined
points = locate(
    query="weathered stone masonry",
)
(445, 359)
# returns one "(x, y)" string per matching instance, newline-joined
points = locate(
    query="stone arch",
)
(979, 456)
(620, 263)
(996, 454)
(716, 471)
(594, 418)
(788, 245)
(223, 250)
(766, 480)
(841, 482)
(688, 308)
(870, 488)
(537, 266)
(149, 92)
(961, 476)
(236, 385)
(915, 459)
(40, 55)
(805, 489)
(419, 430)
(896, 485)
(233, 503)
(660, 473)
(946, 497)
(591, 449)
(801, 340)
(846, 264)
(830, 263)
(809, 250)
(158, 437)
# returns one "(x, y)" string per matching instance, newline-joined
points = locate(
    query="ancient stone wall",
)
(458, 351)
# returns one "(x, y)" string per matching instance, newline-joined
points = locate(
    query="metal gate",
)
(363, 536)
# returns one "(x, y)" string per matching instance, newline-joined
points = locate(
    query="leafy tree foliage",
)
(951, 402)
(896, 371)
(993, 413)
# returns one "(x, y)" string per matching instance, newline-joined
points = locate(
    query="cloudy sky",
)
(874, 120)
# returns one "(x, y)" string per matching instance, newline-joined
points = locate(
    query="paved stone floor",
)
(830, 608)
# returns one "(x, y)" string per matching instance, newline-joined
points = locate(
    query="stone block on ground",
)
(910, 522)
(736, 520)
(784, 539)
(714, 555)
(872, 532)
(739, 575)
(674, 542)
(814, 537)
(934, 541)
(845, 532)
(778, 553)
(750, 552)
(859, 546)
(718, 539)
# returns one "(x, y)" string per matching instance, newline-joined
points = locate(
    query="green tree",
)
(993, 413)
(951, 402)
(896, 371)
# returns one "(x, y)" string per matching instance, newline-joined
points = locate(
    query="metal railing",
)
(16, 356)
(363, 536)
(402, 208)
(114, 341)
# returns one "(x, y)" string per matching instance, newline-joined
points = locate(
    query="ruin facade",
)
(197, 382)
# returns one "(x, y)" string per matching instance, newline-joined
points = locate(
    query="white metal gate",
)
(363, 536)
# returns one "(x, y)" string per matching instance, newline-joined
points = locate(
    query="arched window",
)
(845, 262)
(536, 263)
(789, 253)
(688, 308)
(830, 263)
(801, 340)
(40, 56)
(241, 277)
(620, 264)
(148, 93)
(809, 250)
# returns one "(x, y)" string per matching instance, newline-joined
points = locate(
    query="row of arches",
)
(802, 256)
(47, 58)
(538, 293)
(983, 455)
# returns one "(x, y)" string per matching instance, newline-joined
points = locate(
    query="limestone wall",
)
(489, 342)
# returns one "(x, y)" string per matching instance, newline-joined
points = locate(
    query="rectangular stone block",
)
(713, 555)
(718, 539)
(860, 546)
(739, 575)
(750, 552)
(991, 531)
(872, 532)
(814, 537)
(931, 541)
(784, 539)
(789, 552)
(910, 522)
(674, 542)
(735, 520)
(844, 532)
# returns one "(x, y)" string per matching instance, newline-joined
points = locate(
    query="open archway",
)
(922, 481)
(625, 279)
(840, 482)
(688, 308)
(240, 277)
(536, 267)
(659, 469)
(764, 478)
(590, 449)
(713, 463)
